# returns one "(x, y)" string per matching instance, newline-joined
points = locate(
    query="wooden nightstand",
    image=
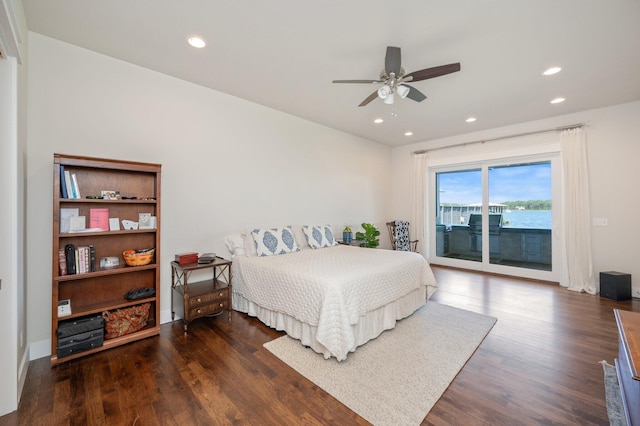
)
(357, 243)
(209, 297)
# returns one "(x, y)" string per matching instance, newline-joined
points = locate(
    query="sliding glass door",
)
(496, 216)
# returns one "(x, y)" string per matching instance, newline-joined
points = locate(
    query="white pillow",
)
(235, 244)
(319, 236)
(274, 241)
(301, 238)
(249, 244)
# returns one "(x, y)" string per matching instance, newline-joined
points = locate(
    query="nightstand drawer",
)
(211, 308)
(208, 298)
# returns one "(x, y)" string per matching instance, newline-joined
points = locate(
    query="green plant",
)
(370, 235)
(347, 229)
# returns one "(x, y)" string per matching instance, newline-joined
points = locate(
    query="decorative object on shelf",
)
(129, 225)
(114, 224)
(138, 257)
(125, 321)
(347, 234)
(144, 221)
(109, 262)
(99, 218)
(140, 293)
(110, 195)
(370, 235)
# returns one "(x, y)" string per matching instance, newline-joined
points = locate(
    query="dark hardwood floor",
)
(539, 365)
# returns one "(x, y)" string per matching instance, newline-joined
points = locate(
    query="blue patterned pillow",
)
(274, 241)
(319, 236)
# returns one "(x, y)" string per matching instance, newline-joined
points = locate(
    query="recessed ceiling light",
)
(408, 133)
(557, 100)
(197, 42)
(470, 119)
(552, 70)
(378, 120)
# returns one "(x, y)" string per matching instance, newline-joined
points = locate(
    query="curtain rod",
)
(553, 129)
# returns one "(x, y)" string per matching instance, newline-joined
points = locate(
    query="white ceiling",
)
(284, 54)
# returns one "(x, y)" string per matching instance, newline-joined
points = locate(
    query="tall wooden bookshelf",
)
(92, 293)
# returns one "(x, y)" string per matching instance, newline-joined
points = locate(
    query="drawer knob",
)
(221, 305)
(199, 299)
(199, 311)
(220, 294)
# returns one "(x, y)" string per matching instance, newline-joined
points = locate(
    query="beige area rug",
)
(398, 377)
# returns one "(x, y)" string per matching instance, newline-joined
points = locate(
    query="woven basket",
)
(144, 257)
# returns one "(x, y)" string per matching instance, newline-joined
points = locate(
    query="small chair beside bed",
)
(333, 298)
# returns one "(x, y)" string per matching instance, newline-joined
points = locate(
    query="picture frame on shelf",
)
(110, 195)
(144, 221)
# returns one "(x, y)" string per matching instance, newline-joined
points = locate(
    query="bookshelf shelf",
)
(99, 290)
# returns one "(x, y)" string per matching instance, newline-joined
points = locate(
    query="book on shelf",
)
(76, 188)
(63, 183)
(99, 218)
(92, 258)
(67, 180)
(62, 261)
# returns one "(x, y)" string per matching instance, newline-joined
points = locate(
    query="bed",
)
(332, 298)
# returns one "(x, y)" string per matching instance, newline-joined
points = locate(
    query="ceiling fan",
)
(395, 80)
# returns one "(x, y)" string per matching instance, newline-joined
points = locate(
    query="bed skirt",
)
(369, 327)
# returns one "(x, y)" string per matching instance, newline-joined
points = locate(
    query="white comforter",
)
(330, 288)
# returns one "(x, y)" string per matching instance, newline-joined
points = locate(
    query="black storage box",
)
(615, 285)
(80, 335)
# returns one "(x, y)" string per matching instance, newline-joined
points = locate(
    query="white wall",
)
(228, 164)
(613, 136)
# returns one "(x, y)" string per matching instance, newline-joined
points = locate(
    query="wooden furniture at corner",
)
(92, 293)
(209, 297)
(357, 243)
(628, 363)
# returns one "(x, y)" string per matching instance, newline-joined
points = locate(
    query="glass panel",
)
(520, 200)
(458, 195)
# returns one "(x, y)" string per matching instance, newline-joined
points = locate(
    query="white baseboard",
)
(40, 349)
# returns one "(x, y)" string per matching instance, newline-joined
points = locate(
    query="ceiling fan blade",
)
(358, 81)
(392, 60)
(415, 94)
(433, 72)
(369, 99)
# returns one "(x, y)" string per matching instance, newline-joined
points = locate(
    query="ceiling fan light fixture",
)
(402, 91)
(389, 99)
(384, 92)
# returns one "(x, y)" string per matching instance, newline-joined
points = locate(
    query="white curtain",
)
(419, 195)
(577, 273)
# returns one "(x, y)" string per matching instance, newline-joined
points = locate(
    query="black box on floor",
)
(615, 285)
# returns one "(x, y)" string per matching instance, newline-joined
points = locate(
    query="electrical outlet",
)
(600, 221)
(637, 293)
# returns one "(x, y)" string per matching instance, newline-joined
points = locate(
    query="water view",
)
(537, 219)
